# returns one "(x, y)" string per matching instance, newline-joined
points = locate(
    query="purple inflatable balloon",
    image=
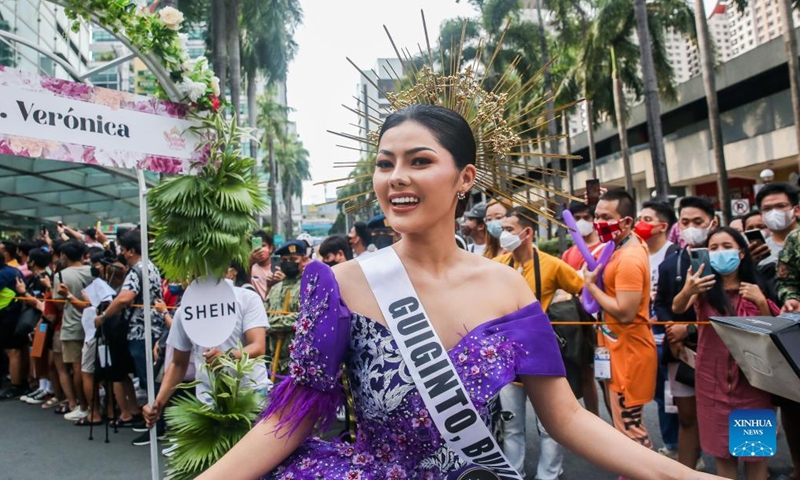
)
(589, 302)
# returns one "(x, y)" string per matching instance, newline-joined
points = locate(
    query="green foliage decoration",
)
(156, 33)
(204, 432)
(201, 222)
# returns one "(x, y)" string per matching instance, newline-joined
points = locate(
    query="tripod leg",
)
(95, 393)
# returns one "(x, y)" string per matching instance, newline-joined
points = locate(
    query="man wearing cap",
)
(475, 228)
(382, 233)
(283, 301)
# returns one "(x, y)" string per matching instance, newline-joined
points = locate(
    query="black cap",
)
(292, 247)
(378, 222)
(477, 211)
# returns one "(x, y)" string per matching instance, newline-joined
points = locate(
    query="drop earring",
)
(461, 195)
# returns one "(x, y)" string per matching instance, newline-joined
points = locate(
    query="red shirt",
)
(573, 256)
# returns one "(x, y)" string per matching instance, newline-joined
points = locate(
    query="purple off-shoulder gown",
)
(396, 437)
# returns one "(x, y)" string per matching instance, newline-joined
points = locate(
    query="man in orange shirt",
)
(625, 302)
(545, 275)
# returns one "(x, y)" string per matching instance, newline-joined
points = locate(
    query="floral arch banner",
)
(43, 117)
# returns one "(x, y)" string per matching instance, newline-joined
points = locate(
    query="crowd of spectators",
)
(753, 269)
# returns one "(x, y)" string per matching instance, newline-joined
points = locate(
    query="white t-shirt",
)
(475, 248)
(253, 316)
(774, 251)
(655, 261)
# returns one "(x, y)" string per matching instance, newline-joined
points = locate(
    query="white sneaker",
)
(25, 398)
(701, 465)
(76, 414)
(169, 451)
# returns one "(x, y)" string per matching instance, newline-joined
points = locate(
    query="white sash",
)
(439, 385)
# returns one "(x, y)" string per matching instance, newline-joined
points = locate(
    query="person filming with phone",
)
(695, 219)
(725, 283)
(283, 301)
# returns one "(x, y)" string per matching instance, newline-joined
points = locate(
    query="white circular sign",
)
(740, 206)
(209, 312)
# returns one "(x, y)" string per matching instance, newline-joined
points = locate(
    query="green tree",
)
(292, 160)
(271, 120)
(611, 60)
(706, 50)
(267, 46)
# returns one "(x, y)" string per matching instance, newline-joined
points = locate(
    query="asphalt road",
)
(35, 444)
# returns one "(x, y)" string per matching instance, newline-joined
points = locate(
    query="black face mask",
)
(290, 269)
(382, 241)
(95, 272)
(331, 264)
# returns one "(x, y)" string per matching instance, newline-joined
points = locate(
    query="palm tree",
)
(612, 28)
(267, 45)
(652, 106)
(706, 51)
(272, 118)
(232, 30)
(292, 159)
(219, 46)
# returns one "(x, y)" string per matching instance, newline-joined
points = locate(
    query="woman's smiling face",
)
(416, 179)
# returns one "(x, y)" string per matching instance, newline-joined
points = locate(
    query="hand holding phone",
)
(699, 257)
(755, 236)
(592, 192)
(256, 242)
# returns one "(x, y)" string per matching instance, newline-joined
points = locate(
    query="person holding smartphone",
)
(695, 219)
(730, 287)
(261, 268)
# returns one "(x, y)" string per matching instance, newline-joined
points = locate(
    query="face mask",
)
(644, 230)
(95, 272)
(607, 231)
(382, 241)
(495, 228)
(176, 290)
(777, 220)
(724, 262)
(466, 230)
(509, 242)
(331, 263)
(585, 228)
(695, 236)
(290, 269)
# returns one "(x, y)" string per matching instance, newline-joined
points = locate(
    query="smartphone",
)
(592, 191)
(43, 229)
(274, 263)
(756, 236)
(699, 257)
(256, 242)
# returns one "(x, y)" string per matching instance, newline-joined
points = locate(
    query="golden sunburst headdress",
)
(503, 120)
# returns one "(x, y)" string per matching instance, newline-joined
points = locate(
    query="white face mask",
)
(585, 228)
(695, 236)
(495, 228)
(777, 220)
(509, 242)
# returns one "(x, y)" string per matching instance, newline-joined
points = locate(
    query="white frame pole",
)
(148, 325)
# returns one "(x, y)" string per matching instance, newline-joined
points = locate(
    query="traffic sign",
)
(740, 206)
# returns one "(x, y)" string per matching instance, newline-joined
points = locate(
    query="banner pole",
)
(148, 326)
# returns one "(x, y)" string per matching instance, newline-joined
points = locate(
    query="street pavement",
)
(36, 444)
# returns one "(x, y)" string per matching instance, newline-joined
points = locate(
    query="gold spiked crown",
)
(504, 147)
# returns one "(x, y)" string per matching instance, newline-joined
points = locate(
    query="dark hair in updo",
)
(449, 128)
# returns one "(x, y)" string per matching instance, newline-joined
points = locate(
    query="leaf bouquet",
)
(203, 432)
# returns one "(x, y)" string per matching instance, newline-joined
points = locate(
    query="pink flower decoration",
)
(489, 353)
(422, 419)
